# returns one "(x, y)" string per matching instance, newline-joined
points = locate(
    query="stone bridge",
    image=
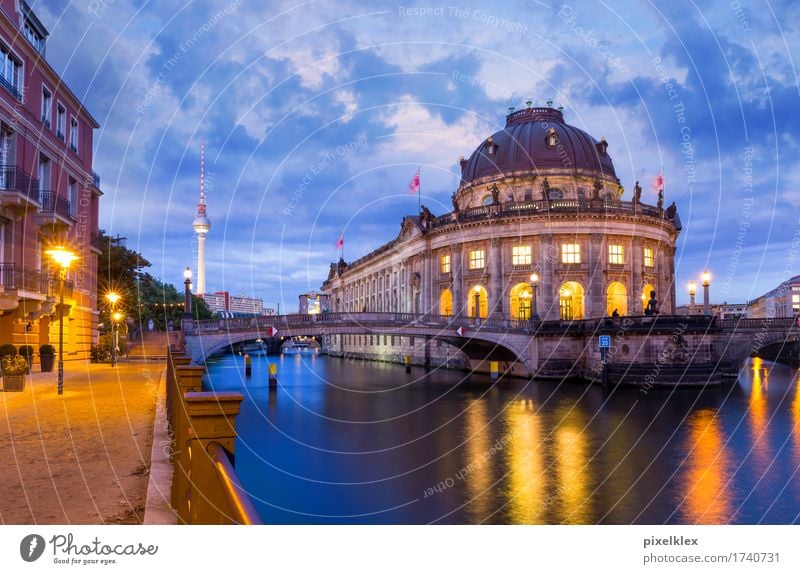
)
(647, 347)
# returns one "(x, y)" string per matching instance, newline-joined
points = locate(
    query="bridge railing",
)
(205, 486)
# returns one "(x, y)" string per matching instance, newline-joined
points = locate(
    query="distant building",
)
(224, 303)
(722, 310)
(312, 303)
(783, 301)
(49, 195)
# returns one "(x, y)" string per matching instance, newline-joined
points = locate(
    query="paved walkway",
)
(83, 457)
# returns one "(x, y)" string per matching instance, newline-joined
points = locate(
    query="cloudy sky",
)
(316, 115)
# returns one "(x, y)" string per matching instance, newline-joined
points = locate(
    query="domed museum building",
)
(540, 228)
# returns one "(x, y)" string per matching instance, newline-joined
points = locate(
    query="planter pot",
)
(47, 363)
(13, 383)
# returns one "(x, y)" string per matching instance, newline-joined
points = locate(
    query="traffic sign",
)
(605, 341)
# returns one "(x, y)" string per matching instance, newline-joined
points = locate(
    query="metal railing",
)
(14, 178)
(243, 510)
(54, 203)
(14, 277)
(10, 87)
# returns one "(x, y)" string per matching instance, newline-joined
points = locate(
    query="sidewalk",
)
(83, 457)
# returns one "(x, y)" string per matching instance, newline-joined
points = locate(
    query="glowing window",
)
(477, 259)
(445, 263)
(570, 253)
(521, 255)
(616, 254)
(648, 256)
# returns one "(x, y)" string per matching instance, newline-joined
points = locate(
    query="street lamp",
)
(477, 291)
(534, 285)
(706, 284)
(116, 318)
(113, 298)
(187, 301)
(63, 258)
(692, 291)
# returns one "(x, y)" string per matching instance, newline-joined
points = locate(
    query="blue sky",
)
(316, 115)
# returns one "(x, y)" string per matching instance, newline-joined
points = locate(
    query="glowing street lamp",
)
(187, 301)
(63, 257)
(534, 284)
(692, 291)
(706, 283)
(113, 298)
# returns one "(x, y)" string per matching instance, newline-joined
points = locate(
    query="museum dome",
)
(537, 139)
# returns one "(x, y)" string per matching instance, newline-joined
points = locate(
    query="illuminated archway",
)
(646, 295)
(520, 299)
(483, 301)
(570, 298)
(446, 303)
(616, 299)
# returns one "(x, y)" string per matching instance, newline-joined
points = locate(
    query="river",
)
(343, 442)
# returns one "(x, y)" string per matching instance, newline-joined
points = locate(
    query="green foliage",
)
(13, 365)
(47, 350)
(26, 351)
(8, 350)
(100, 353)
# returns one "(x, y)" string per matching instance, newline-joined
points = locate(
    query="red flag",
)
(413, 186)
(340, 243)
(658, 183)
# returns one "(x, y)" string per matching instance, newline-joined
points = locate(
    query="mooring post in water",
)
(408, 363)
(494, 369)
(248, 365)
(273, 375)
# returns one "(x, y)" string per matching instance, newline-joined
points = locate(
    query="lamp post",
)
(187, 301)
(116, 318)
(706, 284)
(113, 298)
(63, 258)
(534, 284)
(477, 291)
(692, 291)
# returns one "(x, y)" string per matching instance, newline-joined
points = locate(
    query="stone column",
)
(428, 270)
(662, 282)
(637, 265)
(596, 296)
(496, 279)
(456, 267)
(671, 299)
(547, 289)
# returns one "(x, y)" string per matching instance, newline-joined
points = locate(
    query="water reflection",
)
(571, 456)
(758, 412)
(708, 498)
(478, 475)
(527, 479)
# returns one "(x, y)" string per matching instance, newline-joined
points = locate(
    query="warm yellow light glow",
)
(112, 297)
(566, 293)
(692, 287)
(61, 255)
(117, 316)
(706, 480)
(534, 277)
(706, 277)
(476, 290)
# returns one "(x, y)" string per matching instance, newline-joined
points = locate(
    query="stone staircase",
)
(152, 346)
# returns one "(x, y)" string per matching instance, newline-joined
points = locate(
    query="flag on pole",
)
(340, 242)
(413, 186)
(658, 182)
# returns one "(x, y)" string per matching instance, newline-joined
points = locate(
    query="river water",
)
(350, 442)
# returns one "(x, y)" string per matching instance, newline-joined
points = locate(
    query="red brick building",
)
(49, 194)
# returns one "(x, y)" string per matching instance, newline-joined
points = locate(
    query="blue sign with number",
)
(605, 341)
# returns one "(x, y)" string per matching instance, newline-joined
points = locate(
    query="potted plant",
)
(47, 355)
(26, 351)
(7, 350)
(13, 368)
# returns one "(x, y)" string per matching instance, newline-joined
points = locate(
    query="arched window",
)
(478, 294)
(520, 303)
(616, 299)
(446, 303)
(571, 301)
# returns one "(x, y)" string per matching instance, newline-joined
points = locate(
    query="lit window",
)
(445, 263)
(73, 134)
(648, 256)
(795, 303)
(47, 107)
(477, 259)
(521, 255)
(616, 254)
(552, 138)
(570, 253)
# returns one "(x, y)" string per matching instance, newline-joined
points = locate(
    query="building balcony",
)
(55, 210)
(15, 278)
(18, 189)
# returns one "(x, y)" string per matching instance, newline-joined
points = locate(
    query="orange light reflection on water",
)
(527, 476)
(708, 500)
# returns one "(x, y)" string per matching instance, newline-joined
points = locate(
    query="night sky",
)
(315, 116)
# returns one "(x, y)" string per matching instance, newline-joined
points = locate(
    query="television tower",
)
(201, 226)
